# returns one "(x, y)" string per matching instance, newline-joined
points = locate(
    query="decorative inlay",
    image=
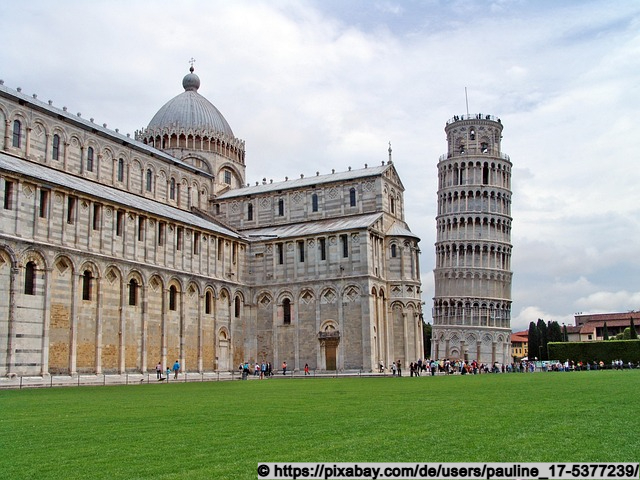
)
(264, 301)
(328, 297)
(352, 294)
(111, 276)
(62, 266)
(306, 297)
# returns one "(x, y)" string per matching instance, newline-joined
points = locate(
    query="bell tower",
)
(472, 302)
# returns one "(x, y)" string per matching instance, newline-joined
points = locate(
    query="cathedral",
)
(120, 252)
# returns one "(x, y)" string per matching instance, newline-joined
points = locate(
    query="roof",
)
(625, 322)
(190, 111)
(397, 230)
(519, 338)
(50, 176)
(100, 130)
(306, 182)
(357, 222)
(607, 317)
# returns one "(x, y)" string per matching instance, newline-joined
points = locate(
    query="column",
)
(73, 348)
(145, 327)
(200, 361)
(12, 317)
(122, 336)
(99, 303)
(46, 315)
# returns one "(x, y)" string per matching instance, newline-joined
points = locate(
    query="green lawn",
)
(223, 429)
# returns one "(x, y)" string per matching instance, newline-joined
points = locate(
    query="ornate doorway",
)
(329, 337)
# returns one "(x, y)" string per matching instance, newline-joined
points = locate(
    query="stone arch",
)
(208, 329)
(156, 304)
(224, 305)
(175, 317)
(191, 318)
(111, 288)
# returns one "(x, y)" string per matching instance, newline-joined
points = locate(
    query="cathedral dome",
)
(190, 111)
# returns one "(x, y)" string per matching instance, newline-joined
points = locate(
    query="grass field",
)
(221, 430)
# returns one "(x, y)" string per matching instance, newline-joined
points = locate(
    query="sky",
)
(319, 85)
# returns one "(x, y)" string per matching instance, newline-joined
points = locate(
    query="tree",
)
(633, 335)
(542, 340)
(426, 337)
(534, 343)
(554, 333)
(565, 335)
(605, 332)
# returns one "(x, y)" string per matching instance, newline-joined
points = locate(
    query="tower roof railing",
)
(501, 155)
(472, 116)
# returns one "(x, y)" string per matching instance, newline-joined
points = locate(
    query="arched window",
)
(250, 211)
(472, 134)
(281, 207)
(394, 250)
(392, 202)
(149, 180)
(86, 285)
(172, 189)
(30, 279)
(173, 292)
(286, 311)
(90, 159)
(121, 170)
(55, 153)
(314, 202)
(207, 302)
(17, 133)
(133, 292)
(352, 197)
(236, 311)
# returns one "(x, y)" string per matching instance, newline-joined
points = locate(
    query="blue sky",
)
(316, 85)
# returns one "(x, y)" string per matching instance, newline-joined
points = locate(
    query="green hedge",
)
(606, 350)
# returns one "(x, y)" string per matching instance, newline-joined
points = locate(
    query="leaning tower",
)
(472, 302)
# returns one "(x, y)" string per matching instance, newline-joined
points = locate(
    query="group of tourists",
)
(262, 370)
(445, 366)
(175, 368)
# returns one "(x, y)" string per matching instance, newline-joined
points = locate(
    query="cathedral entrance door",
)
(330, 355)
(329, 337)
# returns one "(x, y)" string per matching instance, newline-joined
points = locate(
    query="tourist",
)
(284, 368)
(176, 369)
(393, 369)
(306, 369)
(399, 365)
(159, 371)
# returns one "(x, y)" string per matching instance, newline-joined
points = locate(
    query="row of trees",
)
(540, 334)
